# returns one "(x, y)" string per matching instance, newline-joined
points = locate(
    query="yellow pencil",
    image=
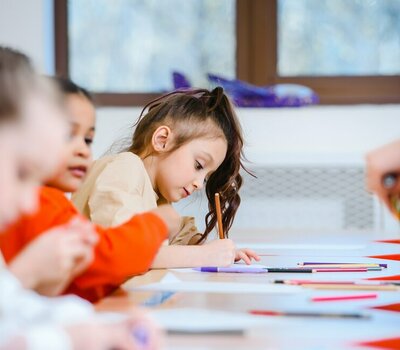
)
(219, 216)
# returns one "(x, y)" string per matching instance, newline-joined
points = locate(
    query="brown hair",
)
(16, 78)
(192, 114)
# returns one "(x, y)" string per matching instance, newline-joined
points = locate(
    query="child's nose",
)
(84, 150)
(199, 183)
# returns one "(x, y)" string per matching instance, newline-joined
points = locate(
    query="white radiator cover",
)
(323, 197)
(327, 198)
(306, 197)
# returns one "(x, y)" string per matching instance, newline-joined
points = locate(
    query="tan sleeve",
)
(117, 194)
(188, 233)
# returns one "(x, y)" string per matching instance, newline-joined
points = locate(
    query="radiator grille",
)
(307, 197)
(299, 197)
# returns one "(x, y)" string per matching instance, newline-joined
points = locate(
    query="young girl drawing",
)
(187, 140)
(28, 321)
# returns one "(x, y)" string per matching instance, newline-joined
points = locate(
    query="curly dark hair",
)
(196, 113)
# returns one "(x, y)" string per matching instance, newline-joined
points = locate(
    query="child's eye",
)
(198, 166)
(88, 141)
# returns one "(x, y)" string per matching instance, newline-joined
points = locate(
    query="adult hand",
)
(381, 162)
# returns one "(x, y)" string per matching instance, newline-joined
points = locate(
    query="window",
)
(341, 37)
(143, 42)
(348, 51)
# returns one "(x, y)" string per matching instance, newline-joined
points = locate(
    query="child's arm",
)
(220, 253)
(215, 253)
(49, 262)
(121, 252)
(189, 235)
(125, 251)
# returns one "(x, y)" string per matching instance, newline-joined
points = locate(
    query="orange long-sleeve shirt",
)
(121, 252)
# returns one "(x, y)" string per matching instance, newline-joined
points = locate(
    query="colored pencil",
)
(308, 314)
(340, 270)
(317, 264)
(362, 283)
(289, 270)
(239, 269)
(344, 297)
(219, 216)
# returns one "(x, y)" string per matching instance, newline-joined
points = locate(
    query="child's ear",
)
(161, 138)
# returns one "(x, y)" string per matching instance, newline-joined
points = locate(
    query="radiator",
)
(299, 197)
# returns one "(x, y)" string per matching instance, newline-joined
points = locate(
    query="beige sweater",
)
(118, 187)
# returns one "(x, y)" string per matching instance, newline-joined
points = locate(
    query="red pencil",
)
(345, 297)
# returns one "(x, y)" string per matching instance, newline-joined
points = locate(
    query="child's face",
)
(186, 169)
(79, 154)
(29, 152)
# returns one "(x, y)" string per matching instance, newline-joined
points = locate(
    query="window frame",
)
(256, 62)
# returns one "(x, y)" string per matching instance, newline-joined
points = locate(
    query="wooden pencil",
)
(219, 216)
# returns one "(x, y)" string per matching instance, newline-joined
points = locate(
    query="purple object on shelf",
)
(180, 81)
(247, 95)
(279, 95)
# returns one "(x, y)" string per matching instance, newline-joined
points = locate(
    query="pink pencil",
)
(345, 297)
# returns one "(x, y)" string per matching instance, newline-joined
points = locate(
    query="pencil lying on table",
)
(345, 297)
(341, 265)
(219, 216)
(309, 314)
(298, 282)
(344, 285)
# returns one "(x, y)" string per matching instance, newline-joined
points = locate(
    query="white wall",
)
(306, 135)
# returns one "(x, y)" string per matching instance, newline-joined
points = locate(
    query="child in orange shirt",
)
(31, 115)
(122, 251)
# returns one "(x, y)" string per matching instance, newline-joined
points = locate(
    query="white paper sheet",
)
(174, 284)
(317, 247)
(202, 321)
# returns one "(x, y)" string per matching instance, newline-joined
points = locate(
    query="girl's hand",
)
(220, 253)
(54, 258)
(246, 255)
